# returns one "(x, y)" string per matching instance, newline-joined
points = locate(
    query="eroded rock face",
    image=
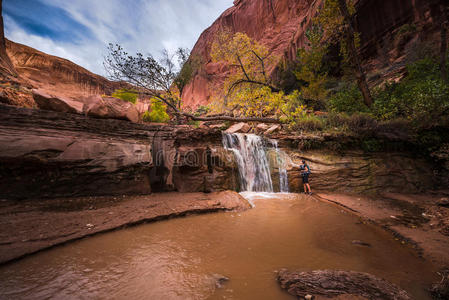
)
(281, 27)
(331, 284)
(54, 75)
(361, 172)
(238, 128)
(110, 107)
(49, 154)
(52, 154)
(60, 104)
(7, 70)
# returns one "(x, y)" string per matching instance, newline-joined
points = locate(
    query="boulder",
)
(262, 127)
(273, 129)
(110, 108)
(56, 103)
(239, 128)
(217, 126)
(331, 284)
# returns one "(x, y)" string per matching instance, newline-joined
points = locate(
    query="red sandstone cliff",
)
(280, 25)
(56, 75)
(6, 67)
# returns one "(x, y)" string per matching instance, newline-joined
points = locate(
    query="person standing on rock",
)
(305, 172)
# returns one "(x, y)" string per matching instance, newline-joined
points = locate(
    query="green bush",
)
(202, 110)
(421, 97)
(158, 113)
(194, 123)
(337, 120)
(347, 100)
(308, 123)
(362, 123)
(126, 95)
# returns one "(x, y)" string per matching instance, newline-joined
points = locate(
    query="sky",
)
(80, 30)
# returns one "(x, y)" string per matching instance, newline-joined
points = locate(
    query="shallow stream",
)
(177, 258)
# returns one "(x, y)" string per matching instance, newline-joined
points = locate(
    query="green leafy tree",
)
(126, 95)
(161, 79)
(158, 113)
(335, 18)
(310, 66)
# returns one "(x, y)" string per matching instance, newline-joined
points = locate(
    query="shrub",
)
(202, 110)
(126, 95)
(362, 123)
(347, 100)
(308, 123)
(158, 113)
(371, 145)
(421, 97)
(337, 120)
(194, 123)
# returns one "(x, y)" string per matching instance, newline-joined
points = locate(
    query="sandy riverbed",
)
(31, 226)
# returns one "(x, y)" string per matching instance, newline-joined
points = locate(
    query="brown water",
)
(176, 259)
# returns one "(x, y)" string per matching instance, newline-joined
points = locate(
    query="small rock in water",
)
(219, 280)
(89, 225)
(361, 243)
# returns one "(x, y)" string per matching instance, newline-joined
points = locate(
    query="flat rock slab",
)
(334, 284)
(31, 226)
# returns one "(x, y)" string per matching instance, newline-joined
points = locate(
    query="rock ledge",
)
(331, 283)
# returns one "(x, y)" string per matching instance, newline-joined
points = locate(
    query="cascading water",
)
(252, 161)
(283, 178)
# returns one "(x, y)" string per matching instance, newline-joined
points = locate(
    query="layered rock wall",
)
(51, 154)
(6, 68)
(56, 75)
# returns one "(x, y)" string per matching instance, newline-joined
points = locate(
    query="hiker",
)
(305, 172)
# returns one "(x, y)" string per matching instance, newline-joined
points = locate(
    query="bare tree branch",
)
(157, 78)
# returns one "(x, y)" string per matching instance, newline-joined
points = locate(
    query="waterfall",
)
(252, 161)
(283, 178)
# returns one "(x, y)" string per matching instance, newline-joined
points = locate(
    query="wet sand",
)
(414, 219)
(27, 227)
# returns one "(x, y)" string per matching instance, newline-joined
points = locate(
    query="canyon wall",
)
(55, 75)
(45, 154)
(6, 68)
(280, 25)
(51, 154)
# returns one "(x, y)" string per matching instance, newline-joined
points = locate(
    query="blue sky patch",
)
(45, 20)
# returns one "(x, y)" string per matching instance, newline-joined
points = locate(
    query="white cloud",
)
(144, 26)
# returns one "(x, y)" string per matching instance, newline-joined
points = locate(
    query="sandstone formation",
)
(55, 75)
(51, 154)
(110, 107)
(363, 172)
(280, 25)
(331, 284)
(7, 70)
(60, 104)
(238, 128)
